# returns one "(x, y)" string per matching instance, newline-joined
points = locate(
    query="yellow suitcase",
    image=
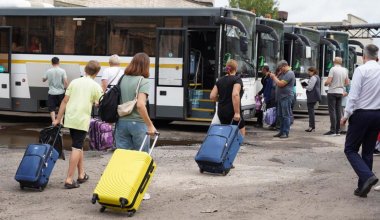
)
(125, 180)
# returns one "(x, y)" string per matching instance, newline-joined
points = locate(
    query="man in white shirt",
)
(363, 113)
(337, 80)
(112, 74)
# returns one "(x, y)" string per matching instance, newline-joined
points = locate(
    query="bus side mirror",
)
(243, 44)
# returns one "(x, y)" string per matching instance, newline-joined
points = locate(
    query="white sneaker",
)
(146, 196)
(377, 188)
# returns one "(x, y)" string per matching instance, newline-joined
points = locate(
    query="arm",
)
(279, 83)
(236, 101)
(330, 77)
(347, 81)
(104, 84)
(353, 96)
(311, 83)
(328, 81)
(65, 83)
(214, 94)
(61, 111)
(44, 78)
(141, 109)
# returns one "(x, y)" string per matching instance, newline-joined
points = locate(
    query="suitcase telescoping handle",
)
(232, 121)
(56, 136)
(156, 134)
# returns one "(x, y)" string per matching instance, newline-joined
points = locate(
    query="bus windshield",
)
(232, 48)
(310, 59)
(267, 45)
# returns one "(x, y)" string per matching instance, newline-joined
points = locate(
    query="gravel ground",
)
(304, 177)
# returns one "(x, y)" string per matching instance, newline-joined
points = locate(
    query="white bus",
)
(301, 50)
(187, 47)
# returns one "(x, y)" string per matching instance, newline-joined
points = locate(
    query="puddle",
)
(19, 136)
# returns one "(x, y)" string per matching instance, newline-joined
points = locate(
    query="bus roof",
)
(325, 32)
(84, 11)
(269, 20)
(292, 28)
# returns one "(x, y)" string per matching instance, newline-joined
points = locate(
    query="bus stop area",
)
(306, 176)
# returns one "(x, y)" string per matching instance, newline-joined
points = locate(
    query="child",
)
(81, 94)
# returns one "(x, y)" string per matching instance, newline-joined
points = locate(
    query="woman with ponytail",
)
(228, 91)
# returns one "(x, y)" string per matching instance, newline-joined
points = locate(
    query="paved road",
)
(304, 177)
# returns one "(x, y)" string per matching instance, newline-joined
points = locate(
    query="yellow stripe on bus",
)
(83, 63)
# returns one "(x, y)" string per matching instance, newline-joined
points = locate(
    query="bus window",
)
(173, 22)
(18, 33)
(132, 35)
(39, 35)
(171, 44)
(80, 35)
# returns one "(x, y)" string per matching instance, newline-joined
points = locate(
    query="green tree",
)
(259, 7)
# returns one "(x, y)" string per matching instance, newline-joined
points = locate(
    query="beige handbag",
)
(127, 107)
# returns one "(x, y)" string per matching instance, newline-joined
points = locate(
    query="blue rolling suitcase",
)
(219, 149)
(36, 165)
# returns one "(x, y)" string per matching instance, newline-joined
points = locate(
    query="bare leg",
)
(52, 116)
(73, 164)
(80, 167)
(242, 131)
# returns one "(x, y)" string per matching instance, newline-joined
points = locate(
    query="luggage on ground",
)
(47, 136)
(125, 180)
(37, 164)
(270, 116)
(101, 135)
(219, 149)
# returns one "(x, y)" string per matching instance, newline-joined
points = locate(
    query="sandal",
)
(85, 178)
(72, 185)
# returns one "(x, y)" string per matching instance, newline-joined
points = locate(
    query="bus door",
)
(170, 83)
(5, 67)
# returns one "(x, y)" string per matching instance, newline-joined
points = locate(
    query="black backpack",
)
(108, 103)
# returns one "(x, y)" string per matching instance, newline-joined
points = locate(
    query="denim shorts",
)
(130, 135)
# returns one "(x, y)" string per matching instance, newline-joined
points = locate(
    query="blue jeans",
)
(284, 114)
(130, 135)
(363, 128)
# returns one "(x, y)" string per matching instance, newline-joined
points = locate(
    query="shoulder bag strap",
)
(137, 88)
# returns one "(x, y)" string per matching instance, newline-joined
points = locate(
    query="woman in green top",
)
(131, 129)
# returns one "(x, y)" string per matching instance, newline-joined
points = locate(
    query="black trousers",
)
(363, 129)
(310, 110)
(335, 104)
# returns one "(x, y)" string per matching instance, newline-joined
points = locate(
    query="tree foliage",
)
(265, 8)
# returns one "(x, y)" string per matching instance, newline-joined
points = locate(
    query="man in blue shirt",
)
(363, 113)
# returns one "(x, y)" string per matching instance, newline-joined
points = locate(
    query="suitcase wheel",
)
(201, 170)
(225, 172)
(102, 209)
(21, 187)
(41, 188)
(94, 198)
(131, 213)
(123, 202)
